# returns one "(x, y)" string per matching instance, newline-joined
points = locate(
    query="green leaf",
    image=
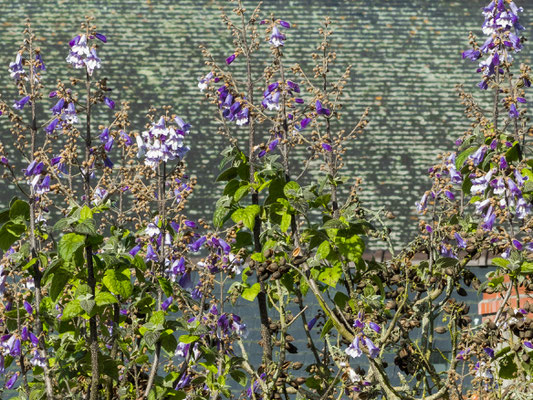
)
(59, 280)
(69, 244)
(350, 246)
(327, 327)
(86, 227)
(461, 158)
(4, 216)
(87, 303)
(165, 285)
(158, 318)
(285, 222)
(19, 209)
(210, 367)
(241, 192)
(292, 190)
(334, 224)
(500, 262)
(71, 310)
(220, 216)
(526, 267)
(341, 299)
(323, 250)
(169, 343)
(227, 175)
(251, 293)
(246, 215)
(508, 368)
(151, 338)
(105, 298)
(186, 339)
(8, 235)
(239, 377)
(330, 275)
(118, 281)
(85, 213)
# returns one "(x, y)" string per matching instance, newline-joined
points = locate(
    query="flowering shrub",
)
(110, 291)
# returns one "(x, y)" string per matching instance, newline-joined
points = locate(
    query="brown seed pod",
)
(440, 330)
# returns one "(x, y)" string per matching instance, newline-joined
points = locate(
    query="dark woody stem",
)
(261, 297)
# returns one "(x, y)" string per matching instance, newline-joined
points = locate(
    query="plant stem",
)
(261, 297)
(91, 281)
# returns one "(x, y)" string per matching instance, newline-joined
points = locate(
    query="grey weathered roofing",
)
(406, 58)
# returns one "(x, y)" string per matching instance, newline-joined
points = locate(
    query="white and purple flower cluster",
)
(37, 179)
(233, 110)
(277, 38)
(163, 142)
(355, 350)
(503, 28)
(81, 55)
(64, 114)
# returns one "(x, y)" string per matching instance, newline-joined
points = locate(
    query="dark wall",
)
(405, 56)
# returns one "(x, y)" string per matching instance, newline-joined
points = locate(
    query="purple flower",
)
(513, 112)
(449, 195)
(489, 219)
(460, 241)
(422, 204)
(519, 178)
(523, 208)
(230, 59)
(134, 250)
(11, 382)
(243, 117)
(354, 350)
(195, 246)
(276, 38)
(373, 351)
(92, 62)
(478, 156)
(375, 327)
(34, 339)
(517, 245)
(19, 105)
(472, 54)
(100, 37)
(285, 24)
(528, 344)
(326, 147)
(321, 110)
(461, 355)
(52, 126)
(312, 323)
(109, 144)
(110, 103)
(272, 145)
(150, 254)
(489, 351)
(503, 163)
(184, 126)
(479, 185)
(24, 335)
(15, 68)
(28, 307)
(166, 304)
(429, 228)
(69, 115)
(271, 100)
(126, 138)
(40, 61)
(4, 161)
